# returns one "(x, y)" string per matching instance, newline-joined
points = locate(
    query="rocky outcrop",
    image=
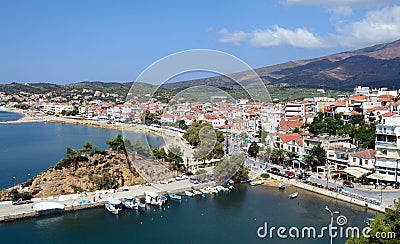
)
(105, 170)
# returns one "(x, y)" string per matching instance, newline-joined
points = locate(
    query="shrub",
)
(265, 175)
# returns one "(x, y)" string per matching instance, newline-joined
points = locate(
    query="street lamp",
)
(330, 227)
(397, 166)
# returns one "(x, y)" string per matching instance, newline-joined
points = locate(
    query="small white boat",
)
(189, 194)
(293, 195)
(155, 199)
(130, 203)
(196, 192)
(256, 183)
(114, 206)
(204, 191)
(213, 190)
(282, 186)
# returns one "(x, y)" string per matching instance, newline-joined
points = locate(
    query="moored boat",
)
(293, 195)
(204, 191)
(196, 192)
(174, 196)
(155, 199)
(114, 206)
(142, 202)
(256, 183)
(189, 193)
(130, 203)
(245, 181)
(282, 186)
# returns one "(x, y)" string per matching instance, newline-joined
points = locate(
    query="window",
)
(354, 160)
(366, 161)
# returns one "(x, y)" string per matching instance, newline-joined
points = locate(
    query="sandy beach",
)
(170, 137)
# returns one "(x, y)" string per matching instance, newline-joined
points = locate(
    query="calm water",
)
(7, 116)
(227, 218)
(29, 148)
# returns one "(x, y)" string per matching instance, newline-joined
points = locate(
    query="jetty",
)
(9, 212)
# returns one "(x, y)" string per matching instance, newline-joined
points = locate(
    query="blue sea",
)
(26, 149)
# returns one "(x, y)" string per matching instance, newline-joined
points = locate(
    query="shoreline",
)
(274, 180)
(176, 138)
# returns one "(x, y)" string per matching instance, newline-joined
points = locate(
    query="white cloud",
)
(235, 37)
(275, 36)
(376, 27)
(335, 2)
(299, 37)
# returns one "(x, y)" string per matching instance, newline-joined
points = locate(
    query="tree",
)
(71, 152)
(356, 119)
(297, 130)
(253, 150)
(383, 223)
(241, 174)
(316, 157)
(116, 143)
(88, 148)
(175, 155)
(291, 155)
(278, 155)
(182, 125)
(148, 117)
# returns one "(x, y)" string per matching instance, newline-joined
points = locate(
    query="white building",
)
(387, 146)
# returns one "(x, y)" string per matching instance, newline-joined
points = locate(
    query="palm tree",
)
(278, 154)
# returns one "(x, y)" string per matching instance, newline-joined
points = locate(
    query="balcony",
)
(384, 144)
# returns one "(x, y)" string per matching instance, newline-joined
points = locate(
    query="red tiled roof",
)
(285, 125)
(290, 137)
(366, 154)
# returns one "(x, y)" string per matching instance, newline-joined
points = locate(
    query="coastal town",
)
(283, 130)
(328, 143)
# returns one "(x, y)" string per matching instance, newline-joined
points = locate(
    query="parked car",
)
(275, 170)
(290, 174)
(21, 201)
(348, 184)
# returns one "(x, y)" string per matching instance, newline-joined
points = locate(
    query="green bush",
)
(67, 162)
(265, 175)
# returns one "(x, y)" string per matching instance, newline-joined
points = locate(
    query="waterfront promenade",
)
(9, 212)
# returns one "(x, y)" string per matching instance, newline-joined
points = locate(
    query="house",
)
(364, 159)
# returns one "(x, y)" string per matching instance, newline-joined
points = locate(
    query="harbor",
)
(10, 212)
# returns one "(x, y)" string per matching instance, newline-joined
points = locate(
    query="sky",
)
(71, 41)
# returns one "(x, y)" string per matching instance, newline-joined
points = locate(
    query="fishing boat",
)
(245, 181)
(204, 191)
(282, 186)
(142, 202)
(221, 188)
(189, 194)
(293, 195)
(196, 192)
(114, 206)
(174, 196)
(155, 199)
(130, 203)
(212, 190)
(256, 183)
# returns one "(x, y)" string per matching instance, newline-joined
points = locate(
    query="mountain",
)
(376, 66)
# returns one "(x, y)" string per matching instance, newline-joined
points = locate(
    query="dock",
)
(9, 212)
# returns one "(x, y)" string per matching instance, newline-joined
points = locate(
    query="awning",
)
(355, 171)
(382, 177)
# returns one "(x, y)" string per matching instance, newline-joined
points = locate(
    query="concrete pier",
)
(9, 212)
